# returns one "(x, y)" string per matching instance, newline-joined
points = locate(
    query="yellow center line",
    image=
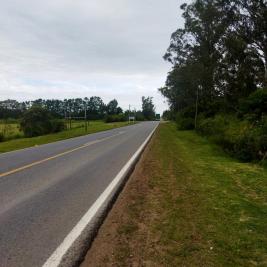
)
(56, 156)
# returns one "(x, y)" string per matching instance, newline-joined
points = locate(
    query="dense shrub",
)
(255, 106)
(57, 125)
(2, 137)
(139, 116)
(185, 123)
(168, 115)
(115, 118)
(238, 137)
(212, 126)
(38, 121)
(185, 119)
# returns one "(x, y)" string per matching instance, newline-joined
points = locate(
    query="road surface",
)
(45, 190)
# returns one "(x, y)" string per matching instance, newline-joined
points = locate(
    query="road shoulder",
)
(186, 204)
(111, 246)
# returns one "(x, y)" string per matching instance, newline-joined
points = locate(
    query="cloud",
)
(67, 48)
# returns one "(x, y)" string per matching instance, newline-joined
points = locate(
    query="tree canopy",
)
(148, 108)
(219, 56)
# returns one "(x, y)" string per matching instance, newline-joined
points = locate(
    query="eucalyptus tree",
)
(254, 20)
(148, 108)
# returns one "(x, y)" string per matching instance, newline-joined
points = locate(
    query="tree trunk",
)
(265, 74)
(265, 68)
(196, 114)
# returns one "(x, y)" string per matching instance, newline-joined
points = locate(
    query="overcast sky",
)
(77, 48)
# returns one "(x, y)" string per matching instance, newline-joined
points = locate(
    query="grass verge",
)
(186, 204)
(93, 127)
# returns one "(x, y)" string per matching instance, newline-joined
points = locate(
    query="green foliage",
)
(213, 126)
(255, 106)
(219, 61)
(139, 116)
(184, 123)
(93, 127)
(239, 138)
(75, 107)
(2, 137)
(39, 121)
(112, 108)
(185, 119)
(148, 108)
(115, 118)
(57, 125)
(168, 115)
(219, 56)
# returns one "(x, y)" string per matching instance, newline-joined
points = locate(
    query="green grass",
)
(11, 130)
(201, 208)
(77, 130)
(214, 208)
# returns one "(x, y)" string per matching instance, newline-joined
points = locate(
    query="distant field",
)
(10, 129)
(16, 140)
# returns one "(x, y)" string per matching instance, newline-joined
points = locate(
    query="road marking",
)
(58, 155)
(55, 259)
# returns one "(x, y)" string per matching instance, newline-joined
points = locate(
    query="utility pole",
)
(69, 117)
(85, 117)
(65, 121)
(196, 111)
(129, 113)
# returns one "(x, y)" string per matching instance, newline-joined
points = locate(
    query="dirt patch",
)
(125, 239)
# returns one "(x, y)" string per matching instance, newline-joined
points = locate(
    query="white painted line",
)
(55, 259)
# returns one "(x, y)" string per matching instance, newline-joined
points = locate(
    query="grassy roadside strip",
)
(186, 204)
(93, 127)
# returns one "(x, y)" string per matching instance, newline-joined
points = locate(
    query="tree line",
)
(95, 108)
(218, 79)
(219, 56)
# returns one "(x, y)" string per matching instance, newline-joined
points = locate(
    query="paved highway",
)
(46, 190)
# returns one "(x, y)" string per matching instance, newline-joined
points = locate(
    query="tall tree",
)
(195, 52)
(254, 22)
(218, 57)
(148, 108)
(112, 107)
(96, 107)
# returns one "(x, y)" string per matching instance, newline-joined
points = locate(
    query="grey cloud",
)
(96, 44)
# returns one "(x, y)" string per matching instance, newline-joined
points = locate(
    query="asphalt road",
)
(45, 190)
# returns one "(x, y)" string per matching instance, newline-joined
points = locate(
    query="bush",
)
(57, 125)
(237, 137)
(185, 119)
(243, 136)
(212, 126)
(139, 116)
(38, 121)
(245, 147)
(255, 106)
(185, 123)
(115, 118)
(2, 137)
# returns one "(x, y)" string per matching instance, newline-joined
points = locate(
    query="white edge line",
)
(55, 259)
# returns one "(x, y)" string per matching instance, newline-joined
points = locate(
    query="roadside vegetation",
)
(198, 198)
(187, 204)
(218, 81)
(29, 123)
(76, 130)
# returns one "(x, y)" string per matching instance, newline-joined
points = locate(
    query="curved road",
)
(45, 190)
